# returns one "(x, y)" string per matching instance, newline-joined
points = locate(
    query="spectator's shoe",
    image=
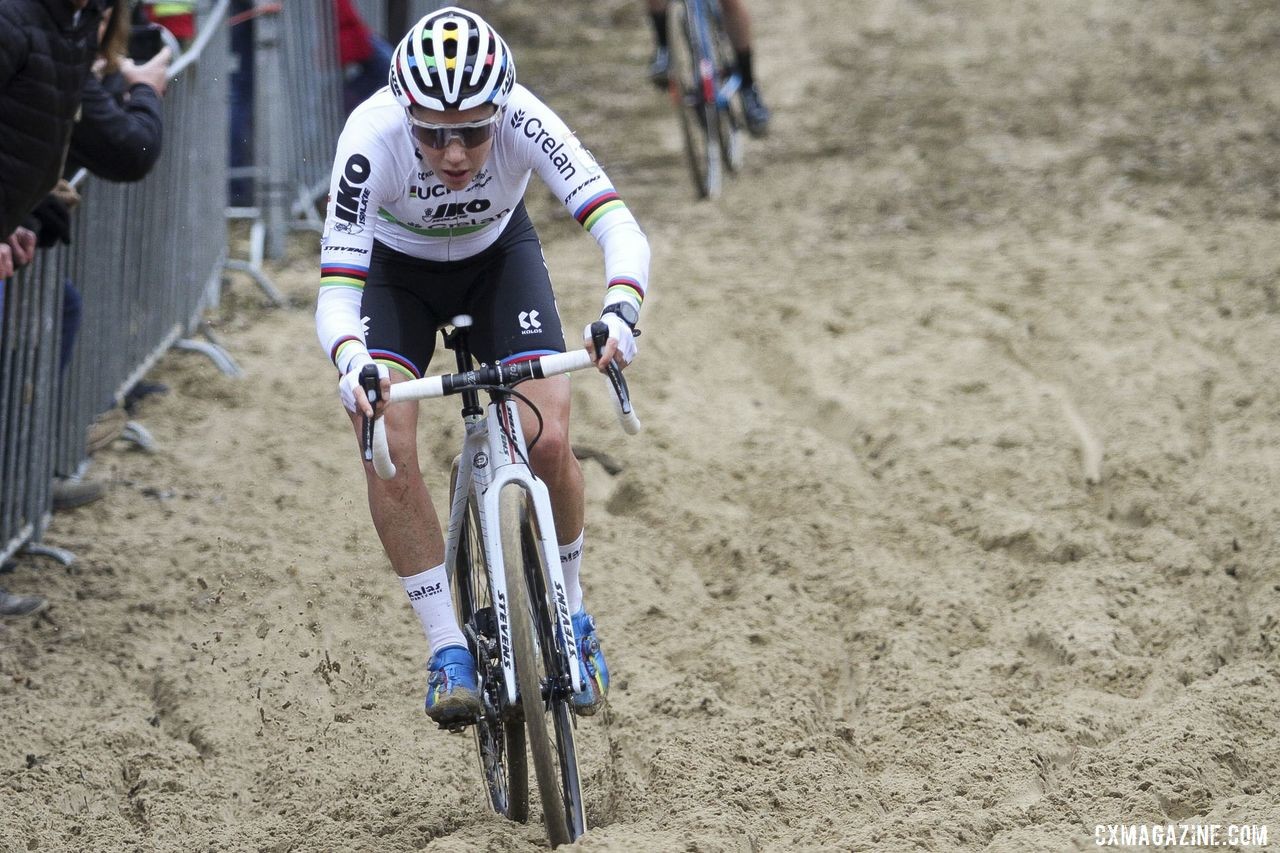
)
(594, 671)
(660, 68)
(755, 112)
(104, 430)
(141, 391)
(452, 695)
(69, 494)
(12, 604)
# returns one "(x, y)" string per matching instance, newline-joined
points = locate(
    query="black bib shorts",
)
(506, 289)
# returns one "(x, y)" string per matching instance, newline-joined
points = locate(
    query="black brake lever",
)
(600, 337)
(370, 384)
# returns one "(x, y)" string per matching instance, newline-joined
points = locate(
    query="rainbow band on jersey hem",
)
(623, 287)
(529, 355)
(596, 207)
(395, 361)
(343, 275)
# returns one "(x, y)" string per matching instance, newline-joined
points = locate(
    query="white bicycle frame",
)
(489, 464)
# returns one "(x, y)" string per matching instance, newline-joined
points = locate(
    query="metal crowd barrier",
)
(298, 114)
(147, 258)
(297, 97)
(376, 14)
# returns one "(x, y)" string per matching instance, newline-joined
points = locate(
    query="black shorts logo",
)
(529, 322)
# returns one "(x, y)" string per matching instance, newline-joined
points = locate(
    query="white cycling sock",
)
(571, 565)
(433, 602)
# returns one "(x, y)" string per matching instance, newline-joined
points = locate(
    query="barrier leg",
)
(213, 349)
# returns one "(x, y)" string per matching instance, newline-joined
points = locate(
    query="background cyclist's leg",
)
(660, 64)
(737, 22)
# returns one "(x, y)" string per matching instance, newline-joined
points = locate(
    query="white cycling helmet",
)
(452, 59)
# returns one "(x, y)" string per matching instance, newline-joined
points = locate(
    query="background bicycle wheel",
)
(855, 589)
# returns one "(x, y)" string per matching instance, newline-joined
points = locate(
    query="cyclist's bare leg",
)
(401, 507)
(737, 21)
(552, 457)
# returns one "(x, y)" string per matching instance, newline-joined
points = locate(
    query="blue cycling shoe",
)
(592, 668)
(452, 695)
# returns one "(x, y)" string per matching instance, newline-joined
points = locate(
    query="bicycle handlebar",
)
(498, 375)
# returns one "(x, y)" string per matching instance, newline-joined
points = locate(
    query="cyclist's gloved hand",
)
(349, 385)
(618, 331)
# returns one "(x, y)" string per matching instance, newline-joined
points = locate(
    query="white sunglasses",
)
(471, 134)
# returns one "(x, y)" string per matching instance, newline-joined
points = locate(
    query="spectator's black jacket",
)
(45, 53)
(115, 139)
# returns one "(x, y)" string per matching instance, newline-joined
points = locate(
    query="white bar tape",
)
(382, 464)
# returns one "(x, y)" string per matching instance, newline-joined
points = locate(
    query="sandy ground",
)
(952, 526)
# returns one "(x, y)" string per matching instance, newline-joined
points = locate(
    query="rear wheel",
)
(692, 81)
(544, 686)
(499, 735)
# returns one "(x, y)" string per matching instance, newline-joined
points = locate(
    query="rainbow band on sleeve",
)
(336, 352)
(597, 206)
(343, 275)
(623, 288)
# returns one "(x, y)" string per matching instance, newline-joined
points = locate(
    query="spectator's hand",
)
(66, 193)
(154, 73)
(54, 220)
(6, 261)
(23, 243)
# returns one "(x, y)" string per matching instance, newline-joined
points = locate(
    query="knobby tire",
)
(500, 743)
(534, 638)
(699, 119)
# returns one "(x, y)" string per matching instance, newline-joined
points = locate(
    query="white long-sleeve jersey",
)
(381, 189)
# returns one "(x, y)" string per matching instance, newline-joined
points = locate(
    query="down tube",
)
(487, 506)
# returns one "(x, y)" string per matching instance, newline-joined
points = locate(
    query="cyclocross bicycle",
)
(504, 566)
(703, 84)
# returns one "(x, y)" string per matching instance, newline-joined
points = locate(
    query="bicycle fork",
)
(505, 472)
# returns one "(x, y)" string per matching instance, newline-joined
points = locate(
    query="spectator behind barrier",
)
(46, 47)
(118, 138)
(177, 16)
(120, 129)
(365, 56)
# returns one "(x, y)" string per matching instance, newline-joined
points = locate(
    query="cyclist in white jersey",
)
(426, 221)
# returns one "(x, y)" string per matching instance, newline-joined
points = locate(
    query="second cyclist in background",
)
(737, 21)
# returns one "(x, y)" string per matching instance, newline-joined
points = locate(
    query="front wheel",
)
(540, 672)
(692, 87)
(499, 734)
